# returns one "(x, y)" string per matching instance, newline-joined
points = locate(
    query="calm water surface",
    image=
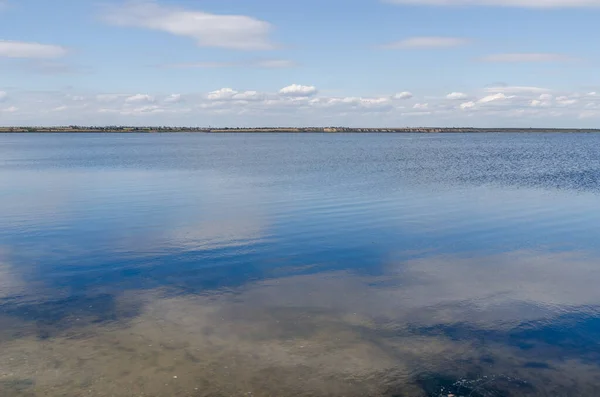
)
(300, 265)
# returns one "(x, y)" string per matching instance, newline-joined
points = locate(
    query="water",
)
(304, 265)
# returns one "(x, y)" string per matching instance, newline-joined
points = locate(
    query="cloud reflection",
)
(10, 282)
(339, 333)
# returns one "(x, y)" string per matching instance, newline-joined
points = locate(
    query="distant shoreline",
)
(127, 130)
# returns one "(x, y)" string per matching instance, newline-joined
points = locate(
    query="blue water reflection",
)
(345, 264)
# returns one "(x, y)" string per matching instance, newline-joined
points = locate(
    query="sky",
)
(252, 63)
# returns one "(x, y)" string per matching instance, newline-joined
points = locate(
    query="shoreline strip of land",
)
(154, 129)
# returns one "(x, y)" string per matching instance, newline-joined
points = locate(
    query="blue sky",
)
(327, 62)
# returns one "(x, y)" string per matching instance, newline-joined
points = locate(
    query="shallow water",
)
(305, 265)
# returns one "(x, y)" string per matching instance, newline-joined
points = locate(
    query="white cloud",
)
(237, 32)
(3, 95)
(248, 96)
(403, 95)
(467, 105)
(296, 90)
(223, 93)
(173, 98)
(138, 98)
(536, 103)
(426, 42)
(231, 107)
(517, 90)
(147, 110)
(505, 3)
(375, 102)
(565, 101)
(151, 109)
(495, 97)
(456, 95)
(11, 109)
(19, 49)
(413, 114)
(527, 57)
(354, 104)
(329, 102)
(226, 94)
